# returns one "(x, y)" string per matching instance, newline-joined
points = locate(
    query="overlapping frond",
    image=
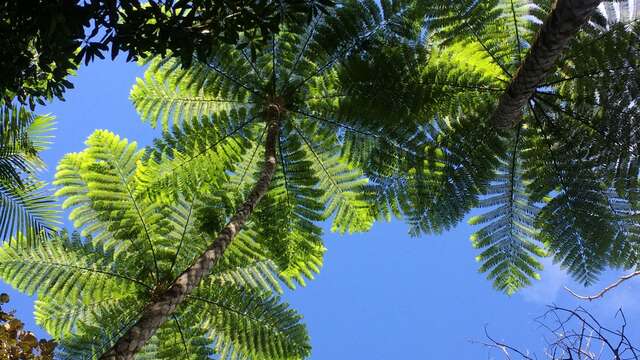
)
(25, 205)
(171, 94)
(509, 236)
(625, 248)
(283, 228)
(98, 329)
(502, 28)
(196, 156)
(101, 185)
(65, 268)
(577, 223)
(178, 338)
(341, 186)
(248, 324)
(28, 209)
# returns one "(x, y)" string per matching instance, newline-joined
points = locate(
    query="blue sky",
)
(381, 295)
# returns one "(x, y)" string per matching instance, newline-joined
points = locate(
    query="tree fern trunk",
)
(560, 26)
(158, 311)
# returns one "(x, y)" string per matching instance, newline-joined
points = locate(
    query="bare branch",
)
(606, 289)
(575, 335)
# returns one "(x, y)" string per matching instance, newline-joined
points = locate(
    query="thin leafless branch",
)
(606, 289)
(575, 335)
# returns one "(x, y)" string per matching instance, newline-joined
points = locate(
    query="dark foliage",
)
(42, 41)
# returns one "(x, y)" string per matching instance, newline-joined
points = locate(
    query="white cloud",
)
(546, 290)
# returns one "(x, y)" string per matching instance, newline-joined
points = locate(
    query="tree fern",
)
(91, 290)
(86, 298)
(580, 133)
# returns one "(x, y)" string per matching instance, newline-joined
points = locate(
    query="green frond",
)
(625, 248)
(64, 268)
(61, 317)
(248, 324)
(101, 185)
(258, 274)
(172, 94)
(25, 205)
(577, 229)
(437, 176)
(97, 331)
(284, 228)
(503, 28)
(508, 237)
(577, 225)
(340, 186)
(297, 252)
(177, 338)
(195, 156)
(28, 209)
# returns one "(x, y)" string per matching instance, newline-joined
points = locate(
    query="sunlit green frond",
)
(294, 245)
(101, 185)
(171, 94)
(508, 237)
(258, 274)
(64, 268)
(284, 228)
(177, 338)
(342, 186)
(60, 317)
(74, 189)
(249, 324)
(195, 156)
(96, 332)
(503, 28)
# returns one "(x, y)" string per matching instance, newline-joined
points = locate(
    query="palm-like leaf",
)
(25, 206)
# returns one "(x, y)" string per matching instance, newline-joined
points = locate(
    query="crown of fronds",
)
(92, 286)
(581, 154)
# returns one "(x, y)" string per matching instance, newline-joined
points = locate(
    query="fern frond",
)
(177, 338)
(102, 182)
(342, 185)
(64, 268)
(195, 156)
(249, 324)
(171, 94)
(28, 209)
(508, 238)
(94, 334)
(25, 205)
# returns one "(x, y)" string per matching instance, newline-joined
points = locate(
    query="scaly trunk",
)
(560, 26)
(158, 311)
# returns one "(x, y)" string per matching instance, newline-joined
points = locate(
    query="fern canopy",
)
(392, 99)
(92, 285)
(571, 190)
(382, 110)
